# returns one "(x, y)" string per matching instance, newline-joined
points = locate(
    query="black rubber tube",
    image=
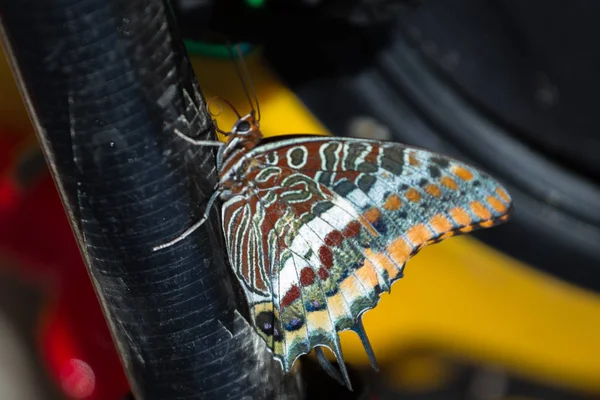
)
(106, 83)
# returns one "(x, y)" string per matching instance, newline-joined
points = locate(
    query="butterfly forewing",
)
(327, 224)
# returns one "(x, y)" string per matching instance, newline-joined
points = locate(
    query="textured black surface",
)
(108, 84)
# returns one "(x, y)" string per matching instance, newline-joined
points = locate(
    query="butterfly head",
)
(243, 137)
(244, 133)
(246, 126)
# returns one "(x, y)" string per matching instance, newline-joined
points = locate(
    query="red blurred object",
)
(74, 338)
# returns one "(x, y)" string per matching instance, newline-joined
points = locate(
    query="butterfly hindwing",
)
(327, 225)
(294, 316)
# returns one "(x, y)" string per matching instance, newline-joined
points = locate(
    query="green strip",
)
(255, 3)
(213, 50)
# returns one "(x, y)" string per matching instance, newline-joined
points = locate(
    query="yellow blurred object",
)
(520, 398)
(419, 372)
(460, 296)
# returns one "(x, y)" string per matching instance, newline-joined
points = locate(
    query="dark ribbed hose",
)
(106, 83)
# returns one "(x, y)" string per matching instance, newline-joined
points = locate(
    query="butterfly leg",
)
(222, 146)
(198, 142)
(192, 228)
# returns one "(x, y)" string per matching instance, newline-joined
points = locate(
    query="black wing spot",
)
(297, 157)
(294, 324)
(392, 160)
(365, 182)
(326, 178)
(321, 207)
(440, 161)
(271, 158)
(344, 188)
(269, 325)
(315, 305)
(367, 167)
(329, 153)
(353, 151)
(434, 171)
(380, 226)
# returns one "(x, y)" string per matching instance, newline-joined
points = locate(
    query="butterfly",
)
(318, 227)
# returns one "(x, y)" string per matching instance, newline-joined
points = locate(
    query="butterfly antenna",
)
(209, 103)
(221, 108)
(245, 76)
(362, 334)
(250, 83)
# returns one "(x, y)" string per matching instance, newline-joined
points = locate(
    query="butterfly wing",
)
(327, 224)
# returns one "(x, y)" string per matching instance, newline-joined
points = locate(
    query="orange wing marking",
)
(462, 173)
(393, 202)
(460, 216)
(503, 194)
(419, 234)
(412, 195)
(480, 211)
(440, 223)
(496, 204)
(433, 190)
(449, 183)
